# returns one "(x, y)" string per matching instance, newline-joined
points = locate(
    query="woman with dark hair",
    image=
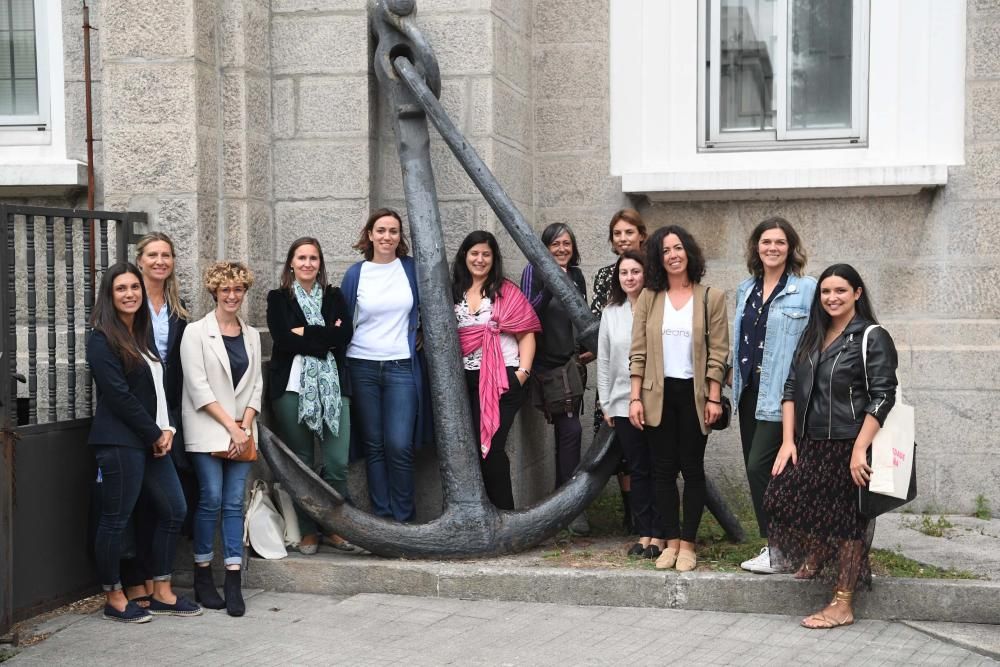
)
(626, 232)
(154, 256)
(382, 300)
(772, 308)
(496, 328)
(834, 404)
(223, 384)
(557, 345)
(680, 342)
(613, 387)
(309, 385)
(132, 435)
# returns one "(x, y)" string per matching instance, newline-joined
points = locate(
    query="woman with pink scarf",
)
(496, 328)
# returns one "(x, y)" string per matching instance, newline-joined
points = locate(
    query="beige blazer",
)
(647, 348)
(208, 378)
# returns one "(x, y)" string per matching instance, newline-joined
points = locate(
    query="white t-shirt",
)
(677, 325)
(383, 313)
(508, 342)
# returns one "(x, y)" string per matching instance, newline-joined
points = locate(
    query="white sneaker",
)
(760, 564)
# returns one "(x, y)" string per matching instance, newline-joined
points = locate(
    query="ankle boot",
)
(235, 606)
(204, 589)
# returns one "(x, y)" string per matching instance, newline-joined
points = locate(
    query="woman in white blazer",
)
(221, 357)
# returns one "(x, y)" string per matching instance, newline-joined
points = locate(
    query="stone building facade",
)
(239, 125)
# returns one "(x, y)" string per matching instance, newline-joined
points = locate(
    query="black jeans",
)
(677, 445)
(761, 442)
(124, 472)
(496, 466)
(639, 465)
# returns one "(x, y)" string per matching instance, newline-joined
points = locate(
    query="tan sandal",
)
(686, 560)
(666, 559)
(806, 572)
(820, 621)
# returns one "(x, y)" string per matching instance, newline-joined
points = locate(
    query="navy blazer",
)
(284, 314)
(126, 401)
(173, 373)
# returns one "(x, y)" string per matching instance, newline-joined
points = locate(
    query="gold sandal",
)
(823, 622)
(806, 571)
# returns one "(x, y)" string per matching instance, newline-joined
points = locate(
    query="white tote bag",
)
(264, 529)
(892, 447)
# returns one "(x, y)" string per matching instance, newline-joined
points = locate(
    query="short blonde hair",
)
(225, 273)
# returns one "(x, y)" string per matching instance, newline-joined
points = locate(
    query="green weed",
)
(982, 508)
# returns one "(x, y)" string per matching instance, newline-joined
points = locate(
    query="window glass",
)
(18, 69)
(746, 76)
(819, 64)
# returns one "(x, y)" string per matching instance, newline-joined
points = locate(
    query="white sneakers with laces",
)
(760, 564)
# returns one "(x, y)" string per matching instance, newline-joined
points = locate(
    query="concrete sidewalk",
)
(299, 629)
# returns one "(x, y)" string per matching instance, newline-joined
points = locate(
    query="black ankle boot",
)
(204, 589)
(235, 606)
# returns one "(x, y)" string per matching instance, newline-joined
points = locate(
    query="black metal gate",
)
(50, 261)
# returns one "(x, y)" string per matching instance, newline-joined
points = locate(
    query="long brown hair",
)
(288, 276)
(795, 262)
(364, 244)
(617, 291)
(132, 345)
(170, 289)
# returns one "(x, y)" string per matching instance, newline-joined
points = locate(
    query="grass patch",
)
(930, 526)
(983, 510)
(891, 564)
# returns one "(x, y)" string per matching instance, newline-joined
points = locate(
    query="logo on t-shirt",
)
(677, 332)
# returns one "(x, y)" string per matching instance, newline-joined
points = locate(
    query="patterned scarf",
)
(319, 387)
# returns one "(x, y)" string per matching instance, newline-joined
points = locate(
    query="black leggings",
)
(677, 445)
(496, 466)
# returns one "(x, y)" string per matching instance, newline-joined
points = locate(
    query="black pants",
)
(639, 465)
(496, 466)
(761, 442)
(677, 445)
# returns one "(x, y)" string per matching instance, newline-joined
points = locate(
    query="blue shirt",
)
(161, 328)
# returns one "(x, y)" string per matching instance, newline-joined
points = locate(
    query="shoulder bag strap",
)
(864, 361)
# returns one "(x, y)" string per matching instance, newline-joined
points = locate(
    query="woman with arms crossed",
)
(772, 308)
(222, 392)
(131, 435)
(677, 381)
(310, 387)
(496, 329)
(833, 406)
(613, 387)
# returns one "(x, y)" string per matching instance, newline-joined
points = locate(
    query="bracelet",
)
(635, 400)
(526, 372)
(711, 400)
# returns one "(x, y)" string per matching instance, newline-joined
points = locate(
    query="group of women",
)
(808, 399)
(808, 406)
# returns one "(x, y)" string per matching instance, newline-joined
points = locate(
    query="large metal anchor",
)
(469, 524)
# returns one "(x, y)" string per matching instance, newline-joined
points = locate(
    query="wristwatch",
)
(249, 432)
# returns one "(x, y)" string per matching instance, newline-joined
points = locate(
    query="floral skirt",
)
(815, 521)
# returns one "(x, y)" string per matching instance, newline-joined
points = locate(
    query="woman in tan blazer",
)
(677, 381)
(222, 393)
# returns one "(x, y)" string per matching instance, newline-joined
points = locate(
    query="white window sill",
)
(42, 179)
(784, 183)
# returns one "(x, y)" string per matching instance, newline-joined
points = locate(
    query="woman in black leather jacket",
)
(832, 407)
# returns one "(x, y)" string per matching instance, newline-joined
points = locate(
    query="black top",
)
(557, 341)
(753, 329)
(126, 400)
(285, 314)
(239, 362)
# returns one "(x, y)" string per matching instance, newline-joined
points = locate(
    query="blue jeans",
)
(385, 408)
(124, 472)
(221, 486)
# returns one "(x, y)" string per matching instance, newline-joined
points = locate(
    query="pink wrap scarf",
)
(512, 314)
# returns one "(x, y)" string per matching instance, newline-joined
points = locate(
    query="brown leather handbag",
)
(248, 454)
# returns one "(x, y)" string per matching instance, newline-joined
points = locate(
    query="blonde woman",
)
(222, 396)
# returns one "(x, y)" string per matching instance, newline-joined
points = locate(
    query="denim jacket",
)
(786, 320)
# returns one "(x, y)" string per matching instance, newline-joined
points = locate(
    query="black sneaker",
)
(183, 607)
(132, 613)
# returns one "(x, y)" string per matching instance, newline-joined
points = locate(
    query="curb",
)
(891, 599)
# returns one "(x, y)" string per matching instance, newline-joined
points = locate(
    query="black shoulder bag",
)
(722, 422)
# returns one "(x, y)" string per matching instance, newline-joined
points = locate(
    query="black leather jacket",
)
(829, 387)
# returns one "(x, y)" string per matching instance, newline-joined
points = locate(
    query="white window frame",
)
(709, 133)
(32, 123)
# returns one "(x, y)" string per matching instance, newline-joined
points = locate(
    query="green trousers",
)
(334, 449)
(761, 442)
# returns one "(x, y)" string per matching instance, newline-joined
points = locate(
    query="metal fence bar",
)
(70, 318)
(104, 248)
(88, 304)
(29, 227)
(8, 348)
(50, 301)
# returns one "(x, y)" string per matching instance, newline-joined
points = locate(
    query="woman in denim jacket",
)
(772, 309)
